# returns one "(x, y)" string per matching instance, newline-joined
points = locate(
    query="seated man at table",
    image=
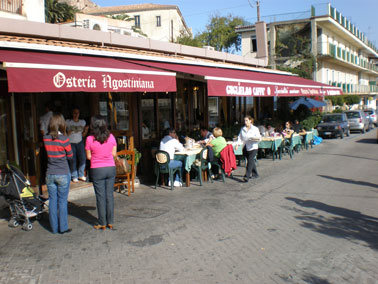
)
(171, 144)
(218, 143)
(206, 135)
(297, 127)
(269, 131)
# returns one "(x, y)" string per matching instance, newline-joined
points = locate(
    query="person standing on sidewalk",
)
(76, 130)
(249, 137)
(101, 149)
(58, 175)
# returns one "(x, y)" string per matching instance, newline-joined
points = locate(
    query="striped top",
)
(58, 151)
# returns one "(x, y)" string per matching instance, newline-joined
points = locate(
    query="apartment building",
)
(344, 55)
(158, 22)
(31, 10)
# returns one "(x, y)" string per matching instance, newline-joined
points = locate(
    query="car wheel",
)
(341, 134)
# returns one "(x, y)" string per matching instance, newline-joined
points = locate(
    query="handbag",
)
(122, 166)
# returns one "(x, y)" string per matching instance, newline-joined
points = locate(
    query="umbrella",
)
(310, 103)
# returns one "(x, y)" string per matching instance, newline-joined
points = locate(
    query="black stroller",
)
(23, 202)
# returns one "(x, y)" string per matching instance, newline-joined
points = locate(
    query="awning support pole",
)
(14, 130)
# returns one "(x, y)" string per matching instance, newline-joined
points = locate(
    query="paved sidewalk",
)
(313, 219)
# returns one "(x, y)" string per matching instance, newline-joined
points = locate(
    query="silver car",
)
(357, 120)
(372, 115)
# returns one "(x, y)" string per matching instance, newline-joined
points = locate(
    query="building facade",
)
(31, 10)
(158, 22)
(344, 56)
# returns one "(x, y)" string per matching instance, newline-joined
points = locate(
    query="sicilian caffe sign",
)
(48, 80)
(236, 89)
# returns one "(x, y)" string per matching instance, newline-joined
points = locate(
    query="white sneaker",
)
(169, 183)
(177, 184)
(75, 180)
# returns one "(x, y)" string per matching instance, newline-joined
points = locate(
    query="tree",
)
(220, 34)
(186, 39)
(56, 12)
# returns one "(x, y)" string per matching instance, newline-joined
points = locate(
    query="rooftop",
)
(129, 8)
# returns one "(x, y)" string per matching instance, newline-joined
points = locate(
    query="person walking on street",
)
(58, 175)
(76, 130)
(249, 137)
(101, 149)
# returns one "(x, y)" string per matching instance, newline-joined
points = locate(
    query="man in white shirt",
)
(171, 144)
(44, 120)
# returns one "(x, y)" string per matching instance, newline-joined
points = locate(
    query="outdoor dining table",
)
(188, 157)
(272, 143)
(308, 137)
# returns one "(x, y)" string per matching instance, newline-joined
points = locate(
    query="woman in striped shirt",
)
(58, 175)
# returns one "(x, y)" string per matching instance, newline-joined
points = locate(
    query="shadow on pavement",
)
(358, 182)
(312, 279)
(82, 213)
(367, 141)
(348, 224)
(342, 155)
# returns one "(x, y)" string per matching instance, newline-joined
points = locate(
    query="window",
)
(158, 21)
(137, 21)
(253, 44)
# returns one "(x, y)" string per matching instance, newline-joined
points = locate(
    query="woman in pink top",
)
(101, 148)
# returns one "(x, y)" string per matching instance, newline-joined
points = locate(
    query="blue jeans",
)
(103, 183)
(175, 164)
(58, 187)
(77, 164)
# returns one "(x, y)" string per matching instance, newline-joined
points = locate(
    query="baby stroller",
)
(23, 202)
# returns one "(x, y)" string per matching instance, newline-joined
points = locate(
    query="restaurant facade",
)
(141, 86)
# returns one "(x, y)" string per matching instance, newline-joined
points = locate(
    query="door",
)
(28, 136)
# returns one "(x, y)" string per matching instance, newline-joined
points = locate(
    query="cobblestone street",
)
(313, 219)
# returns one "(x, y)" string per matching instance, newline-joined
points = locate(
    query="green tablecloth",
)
(308, 137)
(273, 144)
(187, 160)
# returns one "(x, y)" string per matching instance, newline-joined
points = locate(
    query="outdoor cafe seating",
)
(194, 156)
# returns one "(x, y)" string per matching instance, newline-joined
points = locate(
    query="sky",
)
(363, 13)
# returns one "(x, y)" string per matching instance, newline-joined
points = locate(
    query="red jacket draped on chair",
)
(228, 159)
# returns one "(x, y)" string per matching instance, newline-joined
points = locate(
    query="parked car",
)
(357, 120)
(370, 121)
(334, 125)
(372, 115)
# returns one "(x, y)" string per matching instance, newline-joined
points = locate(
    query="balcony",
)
(344, 56)
(11, 6)
(355, 88)
(339, 18)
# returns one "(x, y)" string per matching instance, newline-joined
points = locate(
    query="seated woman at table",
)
(288, 130)
(218, 143)
(171, 144)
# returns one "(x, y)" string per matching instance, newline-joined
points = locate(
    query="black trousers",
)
(251, 165)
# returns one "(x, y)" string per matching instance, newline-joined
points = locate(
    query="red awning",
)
(48, 72)
(236, 82)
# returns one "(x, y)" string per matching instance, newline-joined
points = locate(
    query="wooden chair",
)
(128, 176)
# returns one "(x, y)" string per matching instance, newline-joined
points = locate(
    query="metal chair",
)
(202, 167)
(162, 167)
